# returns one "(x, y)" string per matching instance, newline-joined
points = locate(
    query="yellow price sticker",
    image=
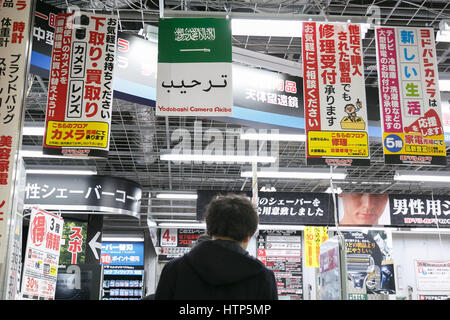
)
(338, 144)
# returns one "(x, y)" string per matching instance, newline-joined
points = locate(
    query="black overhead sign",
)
(107, 194)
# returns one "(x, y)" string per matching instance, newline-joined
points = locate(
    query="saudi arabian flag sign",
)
(194, 67)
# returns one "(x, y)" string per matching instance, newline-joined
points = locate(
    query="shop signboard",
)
(410, 103)
(14, 43)
(78, 116)
(419, 210)
(122, 253)
(42, 255)
(314, 237)
(330, 286)
(283, 207)
(432, 275)
(194, 67)
(43, 37)
(336, 121)
(370, 269)
(280, 251)
(84, 192)
(73, 245)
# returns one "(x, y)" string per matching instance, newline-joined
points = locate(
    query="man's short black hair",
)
(231, 216)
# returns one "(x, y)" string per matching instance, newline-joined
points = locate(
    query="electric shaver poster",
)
(410, 104)
(370, 268)
(336, 122)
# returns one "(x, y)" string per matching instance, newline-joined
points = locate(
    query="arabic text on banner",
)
(78, 118)
(334, 93)
(410, 103)
(194, 67)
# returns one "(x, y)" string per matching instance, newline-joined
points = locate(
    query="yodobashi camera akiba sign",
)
(84, 192)
(194, 67)
(78, 117)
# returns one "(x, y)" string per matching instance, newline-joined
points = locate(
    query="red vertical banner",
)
(336, 124)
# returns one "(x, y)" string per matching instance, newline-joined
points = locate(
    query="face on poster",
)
(410, 102)
(363, 209)
(334, 94)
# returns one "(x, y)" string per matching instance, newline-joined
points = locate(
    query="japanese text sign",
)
(194, 67)
(42, 255)
(314, 237)
(122, 253)
(78, 118)
(334, 93)
(410, 103)
(84, 192)
(14, 41)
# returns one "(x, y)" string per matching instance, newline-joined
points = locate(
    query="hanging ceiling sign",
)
(410, 104)
(194, 67)
(334, 93)
(78, 117)
(14, 44)
(107, 194)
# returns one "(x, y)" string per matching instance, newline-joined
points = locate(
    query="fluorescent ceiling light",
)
(182, 225)
(177, 196)
(266, 28)
(267, 189)
(33, 131)
(296, 174)
(273, 137)
(444, 85)
(443, 36)
(122, 239)
(337, 190)
(39, 154)
(421, 176)
(216, 158)
(61, 171)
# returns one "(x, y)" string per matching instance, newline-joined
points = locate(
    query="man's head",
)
(363, 208)
(231, 217)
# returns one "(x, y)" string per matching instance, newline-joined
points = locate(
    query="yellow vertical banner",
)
(314, 236)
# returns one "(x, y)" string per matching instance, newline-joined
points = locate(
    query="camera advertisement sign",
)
(410, 104)
(42, 255)
(78, 117)
(336, 121)
(194, 67)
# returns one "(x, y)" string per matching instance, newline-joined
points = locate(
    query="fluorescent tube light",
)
(61, 171)
(39, 154)
(299, 174)
(266, 28)
(273, 137)
(337, 190)
(421, 176)
(182, 225)
(33, 131)
(444, 85)
(217, 158)
(177, 196)
(443, 36)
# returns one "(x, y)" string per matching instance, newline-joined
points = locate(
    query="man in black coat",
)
(220, 268)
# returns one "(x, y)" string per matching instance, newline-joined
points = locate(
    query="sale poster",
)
(79, 105)
(410, 103)
(314, 237)
(336, 122)
(42, 256)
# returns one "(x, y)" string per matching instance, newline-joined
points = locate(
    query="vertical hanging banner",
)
(314, 237)
(14, 42)
(410, 104)
(194, 67)
(78, 118)
(334, 93)
(42, 255)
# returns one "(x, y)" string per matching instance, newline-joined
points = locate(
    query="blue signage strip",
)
(122, 253)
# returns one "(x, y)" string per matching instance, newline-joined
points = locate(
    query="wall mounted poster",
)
(432, 275)
(334, 93)
(42, 255)
(78, 117)
(410, 104)
(194, 67)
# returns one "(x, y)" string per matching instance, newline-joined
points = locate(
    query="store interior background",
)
(138, 136)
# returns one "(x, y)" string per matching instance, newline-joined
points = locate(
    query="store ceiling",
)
(138, 136)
